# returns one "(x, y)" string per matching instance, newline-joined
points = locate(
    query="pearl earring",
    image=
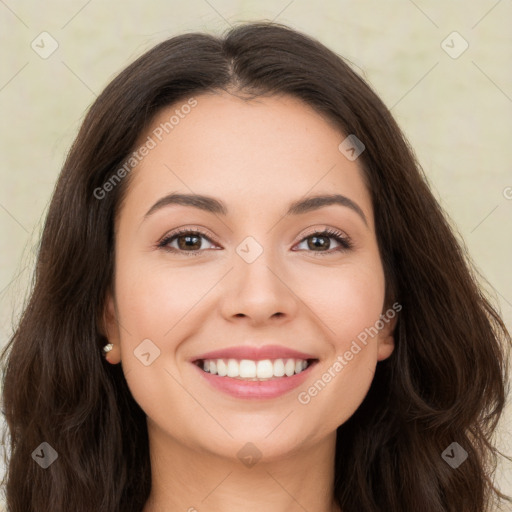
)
(108, 347)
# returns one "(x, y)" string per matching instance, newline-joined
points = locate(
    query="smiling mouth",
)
(255, 370)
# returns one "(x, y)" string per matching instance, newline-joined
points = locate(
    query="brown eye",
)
(188, 241)
(320, 242)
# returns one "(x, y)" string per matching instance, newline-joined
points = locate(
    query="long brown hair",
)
(444, 383)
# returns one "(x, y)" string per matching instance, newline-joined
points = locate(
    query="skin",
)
(256, 156)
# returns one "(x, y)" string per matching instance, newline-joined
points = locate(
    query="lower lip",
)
(256, 389)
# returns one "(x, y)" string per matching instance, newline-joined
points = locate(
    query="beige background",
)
(456, 112)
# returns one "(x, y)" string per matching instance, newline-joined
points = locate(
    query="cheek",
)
(348, 300)
(153, 298)
(153, 303)
(339, 389)
(349, 303)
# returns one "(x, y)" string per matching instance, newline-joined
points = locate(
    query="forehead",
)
(256, 155)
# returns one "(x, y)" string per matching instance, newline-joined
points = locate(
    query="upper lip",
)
(254, 353)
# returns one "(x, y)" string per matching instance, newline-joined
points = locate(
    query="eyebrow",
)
(215, 206)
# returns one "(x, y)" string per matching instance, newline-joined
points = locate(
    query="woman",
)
(185, 348)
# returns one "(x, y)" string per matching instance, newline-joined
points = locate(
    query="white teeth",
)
(289, 367)
(264, 369)
(278, 368)
(232, 368)
(254, 370)
(247, 369)
(221, 368)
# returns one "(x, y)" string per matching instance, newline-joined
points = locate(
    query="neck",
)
(188, 480)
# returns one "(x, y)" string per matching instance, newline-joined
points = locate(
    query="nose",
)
(258, 292)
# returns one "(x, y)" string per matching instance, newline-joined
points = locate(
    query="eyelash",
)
(343, 240)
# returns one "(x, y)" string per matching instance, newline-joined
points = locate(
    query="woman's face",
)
(255, 286)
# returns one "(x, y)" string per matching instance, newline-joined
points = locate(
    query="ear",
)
(386, 338)
(109, 328)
